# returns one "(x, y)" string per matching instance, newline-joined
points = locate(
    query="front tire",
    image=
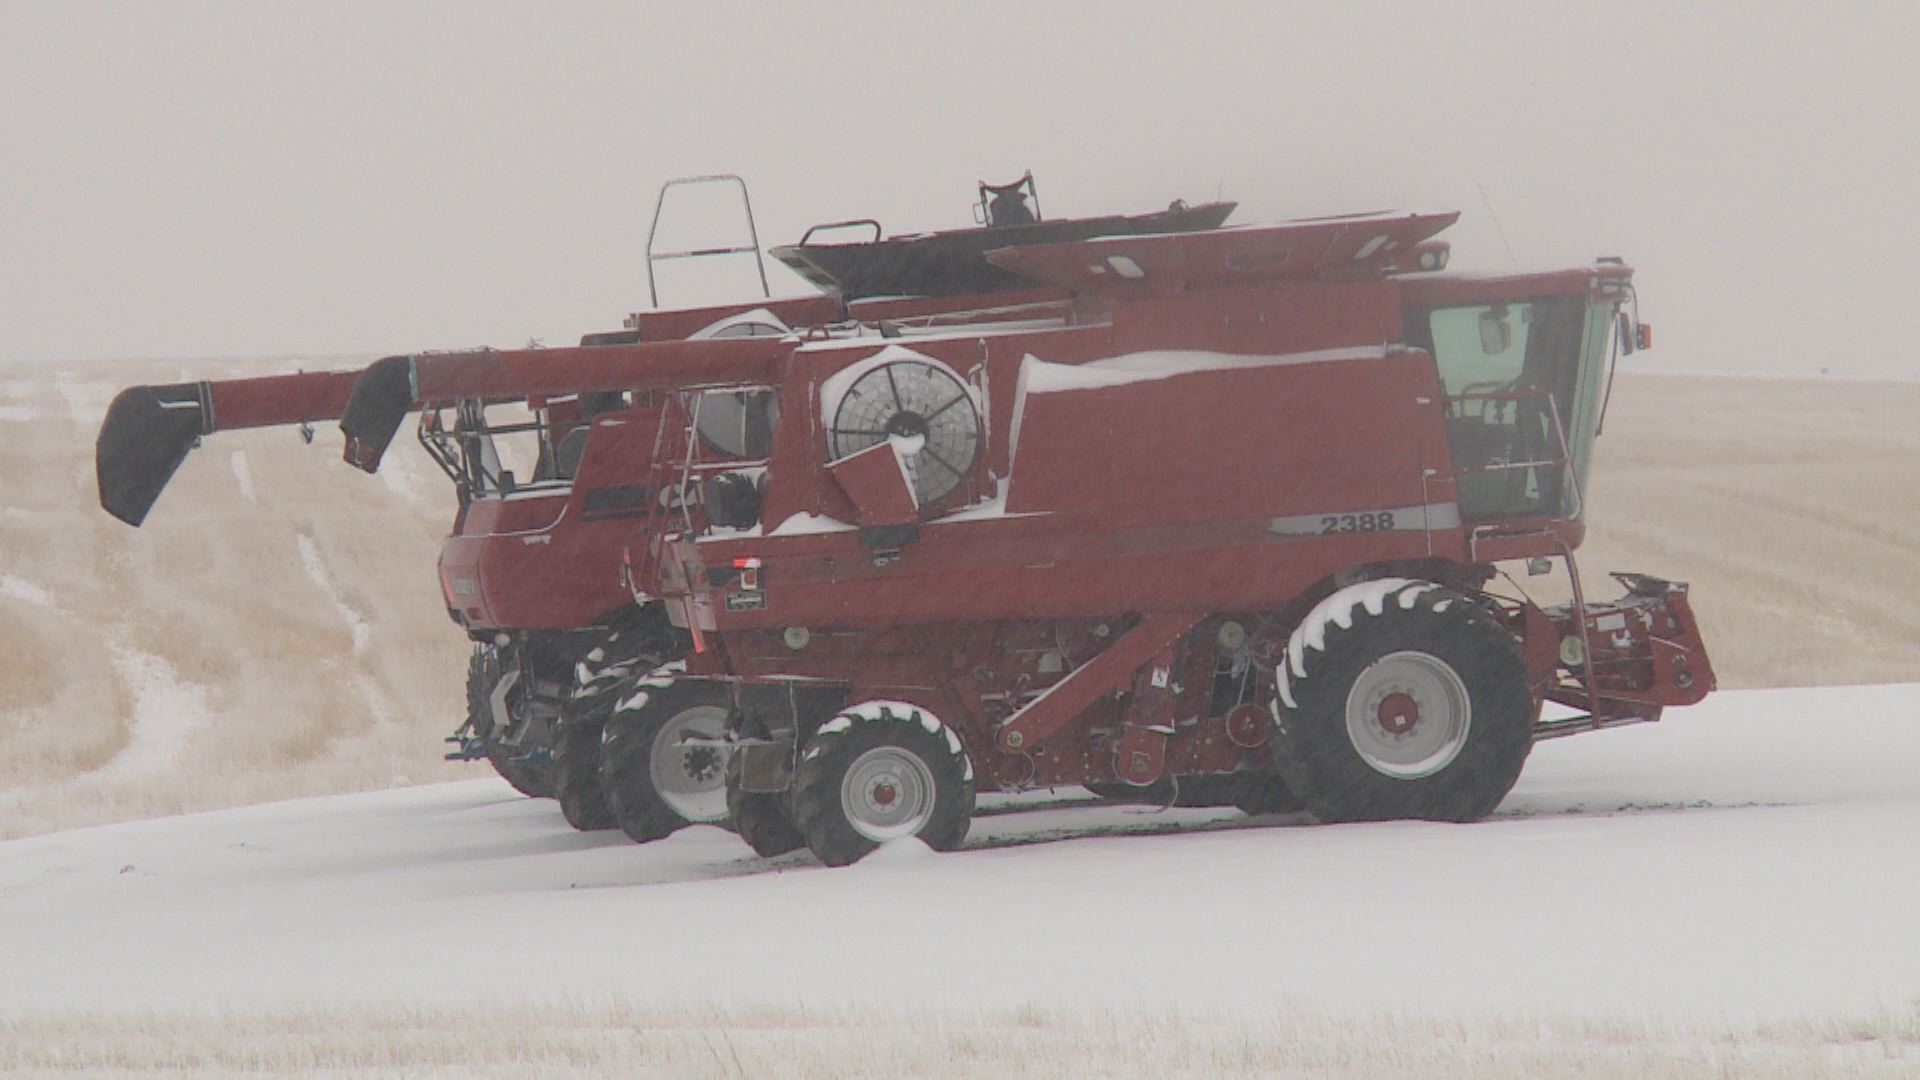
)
(877, 772)
(654, 783)
(1407, 701)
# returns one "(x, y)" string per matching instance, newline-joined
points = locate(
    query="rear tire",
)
(576, 767)
(583, 720)
(654, 785)
(1420, 708)
(763, 819)
(876, 773)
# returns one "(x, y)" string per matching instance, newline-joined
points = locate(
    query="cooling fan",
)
(927, 412)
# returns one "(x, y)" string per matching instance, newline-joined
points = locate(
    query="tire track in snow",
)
(22, 589)
(376, 698)
(244, 475)
(86, 401)
(166, 711)
(398, 472)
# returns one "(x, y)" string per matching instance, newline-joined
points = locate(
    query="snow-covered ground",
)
(1741, 878)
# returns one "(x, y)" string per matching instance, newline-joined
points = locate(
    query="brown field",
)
(1789, 505)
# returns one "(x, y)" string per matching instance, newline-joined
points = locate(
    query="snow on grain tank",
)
(1230, 524)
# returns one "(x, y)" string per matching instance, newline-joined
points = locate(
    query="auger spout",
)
(149, 429)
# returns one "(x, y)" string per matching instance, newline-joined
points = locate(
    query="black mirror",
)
(1496, 333)
(1624, 334)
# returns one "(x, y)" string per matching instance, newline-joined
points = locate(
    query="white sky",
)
(290, 178)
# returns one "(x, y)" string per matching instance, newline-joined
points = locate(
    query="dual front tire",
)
(662, 764)
(874, 773)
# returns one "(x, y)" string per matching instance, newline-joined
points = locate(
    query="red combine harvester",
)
(548, 547)
(1230, 523)
(149, 430)
(531, 568)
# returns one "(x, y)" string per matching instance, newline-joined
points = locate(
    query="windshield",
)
(1520, 376)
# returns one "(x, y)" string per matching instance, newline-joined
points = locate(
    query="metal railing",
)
(753, 234)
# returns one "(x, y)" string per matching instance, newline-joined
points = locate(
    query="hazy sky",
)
(202, 179)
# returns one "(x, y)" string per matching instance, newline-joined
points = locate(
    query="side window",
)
(1508, 369)
(739, 423)
(751, 329)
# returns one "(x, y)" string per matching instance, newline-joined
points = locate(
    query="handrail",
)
(753, 234)
(1565, 460)
(848, 224)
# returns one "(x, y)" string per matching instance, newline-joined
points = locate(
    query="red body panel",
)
(548, 558)
(876, 483)
(1085, 536)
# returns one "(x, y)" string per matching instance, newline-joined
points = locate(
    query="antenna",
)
(1488, 203)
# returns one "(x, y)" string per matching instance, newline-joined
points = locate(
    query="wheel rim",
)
(691, 779)
(1408, 715)
(887, 793)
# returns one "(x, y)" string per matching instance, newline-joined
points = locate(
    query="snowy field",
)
(1730, 891)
